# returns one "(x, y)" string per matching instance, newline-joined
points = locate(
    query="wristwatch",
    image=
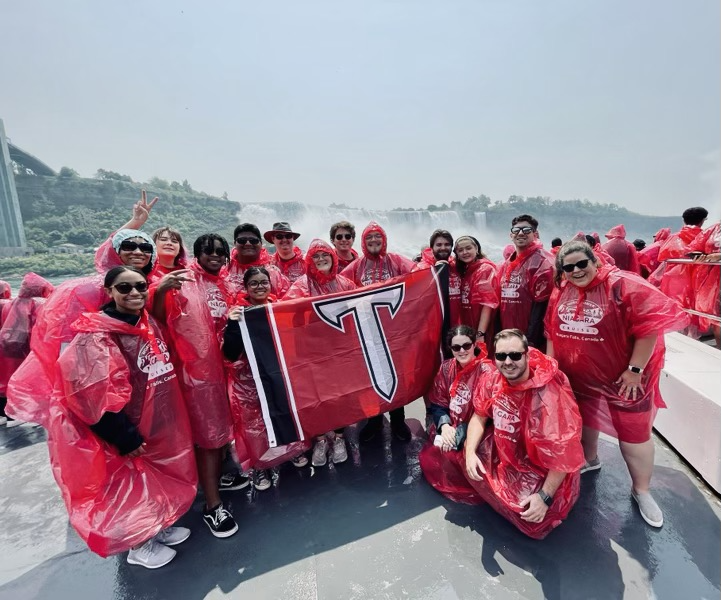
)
(547, 500)
(635, 369)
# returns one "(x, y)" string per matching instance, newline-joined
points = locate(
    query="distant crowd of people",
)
(139, 372)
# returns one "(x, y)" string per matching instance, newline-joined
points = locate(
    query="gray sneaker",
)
(591, 465)
(172, 536)
(340, 453)
(151, 555)
(320, 453)
(650, 511)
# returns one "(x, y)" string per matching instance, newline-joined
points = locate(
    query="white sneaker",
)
(172, 536)
(340, 453)
(650, 511)
(151, 555)
(320, 453)
(261, 480)
(300, 461)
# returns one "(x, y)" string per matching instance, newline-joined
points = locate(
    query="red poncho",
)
(536, 428)
(279, 283)
(705, 279)
(622, 251)
(594, 342)
(524, 278)
(5, 298)
(30, 387)
(292, 268)
(315, 283)
(159, 271)
(18, 323)
(428, 261)
(196, 319)
(115, 502)
(675, 279)
(343, 263)
(374, 268)
(479, 288)
(648, 257)
(251, 435)
(452, 389)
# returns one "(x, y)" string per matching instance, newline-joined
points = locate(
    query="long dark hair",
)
(112, 275)
(460, 265)
(465, 331)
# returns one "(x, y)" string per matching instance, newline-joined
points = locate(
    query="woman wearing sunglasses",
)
(251, 438)
(451, 408)
(194, 305)
(30, 387)
(479, 287)
(322, 278)
(118, 435)
(605, 327)
(342, 236)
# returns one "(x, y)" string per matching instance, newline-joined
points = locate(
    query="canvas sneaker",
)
(261, 480)
(172, 536)
(340, 452)
(591, 465)
(233, 481)
(151, 555)
(320, 453)
(220, 522)
(650, 511)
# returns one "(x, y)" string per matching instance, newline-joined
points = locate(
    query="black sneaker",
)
(220, 522)
(233, 481)
(372, 429)
(400, 430)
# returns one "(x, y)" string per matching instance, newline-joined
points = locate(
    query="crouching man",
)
(526, 463)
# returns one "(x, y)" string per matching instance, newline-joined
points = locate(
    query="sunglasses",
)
(242, 241)
(217, 251)
(581, 264)
(526, 230)
(283, 236)
(256, 284)
(343, 236)
(458, 347)
(144, 247)
(126, 288)
(514, 356)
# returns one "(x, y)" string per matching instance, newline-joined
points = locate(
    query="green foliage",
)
(48, 265)
(68, 172)
(112, 176)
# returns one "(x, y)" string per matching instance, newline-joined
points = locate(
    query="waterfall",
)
(408, 231)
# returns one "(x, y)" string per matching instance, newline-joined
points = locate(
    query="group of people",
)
(140, 377)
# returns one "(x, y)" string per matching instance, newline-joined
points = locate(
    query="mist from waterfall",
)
(408, 231)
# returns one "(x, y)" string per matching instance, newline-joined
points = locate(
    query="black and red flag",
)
(331, 361)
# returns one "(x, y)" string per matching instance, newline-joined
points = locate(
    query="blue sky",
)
(378, 104)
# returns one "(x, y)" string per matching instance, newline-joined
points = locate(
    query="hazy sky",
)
(376, 103)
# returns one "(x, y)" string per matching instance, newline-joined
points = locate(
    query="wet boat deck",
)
(372, 528)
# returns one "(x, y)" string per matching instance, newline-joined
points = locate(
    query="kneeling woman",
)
(118, 435)
(451, 407)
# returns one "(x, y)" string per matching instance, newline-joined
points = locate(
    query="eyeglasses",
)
(343, 236)
(217, 251)
(256, 284)
(144, 247)
(321, 255)
(514, 356)
(126, 288)
(581, 264)
(458, 347)
(242, 241)
(283, 236)
(374, 236)
(526, 230)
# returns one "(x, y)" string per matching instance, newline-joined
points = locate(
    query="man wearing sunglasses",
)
(288, 257)
(377, 264)
(248, 252)
(526, 279)
(342, 236)
(526, 467)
